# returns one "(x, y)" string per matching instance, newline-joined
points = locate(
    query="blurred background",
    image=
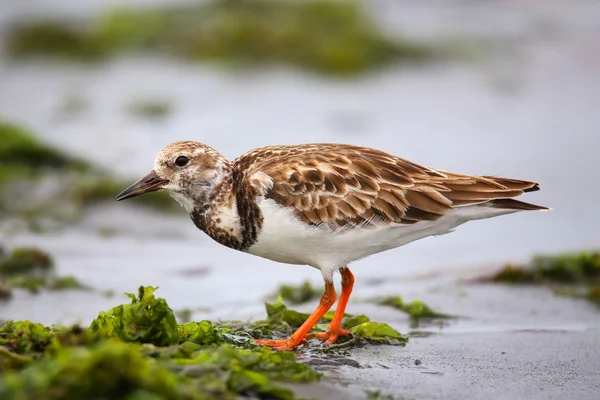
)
(90, 91)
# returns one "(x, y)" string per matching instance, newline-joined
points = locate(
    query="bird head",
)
(187, 170)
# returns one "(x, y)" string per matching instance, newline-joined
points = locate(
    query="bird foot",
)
(280, 345)
(329, 337)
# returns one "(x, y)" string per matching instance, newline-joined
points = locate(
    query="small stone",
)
(417, 362)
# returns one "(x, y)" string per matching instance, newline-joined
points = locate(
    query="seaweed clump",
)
(417, 310)
(26, 260)
(33, 269)
(570, 268)
(576, 274)
(326, 36)
(25, 337)
(145, 320)
(299, 294)
(150, 109)
(138, 351)
(22, 156)
(111, 370)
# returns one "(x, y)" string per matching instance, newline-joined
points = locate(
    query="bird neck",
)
(230, 214)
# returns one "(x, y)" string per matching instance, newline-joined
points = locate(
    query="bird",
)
(324, 205)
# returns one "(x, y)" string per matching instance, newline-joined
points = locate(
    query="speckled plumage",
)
(349, 185)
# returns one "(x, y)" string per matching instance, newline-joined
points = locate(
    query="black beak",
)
(149, 183)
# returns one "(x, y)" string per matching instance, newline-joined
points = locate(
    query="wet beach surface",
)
(528, 112)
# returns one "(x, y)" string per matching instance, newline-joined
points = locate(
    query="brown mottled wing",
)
(342, 185)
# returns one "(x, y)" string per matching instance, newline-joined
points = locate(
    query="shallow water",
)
(527, 110)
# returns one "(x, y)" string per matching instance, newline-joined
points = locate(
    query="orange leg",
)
(297, 337)
(334, 329)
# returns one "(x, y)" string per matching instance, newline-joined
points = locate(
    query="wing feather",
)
(343, 185)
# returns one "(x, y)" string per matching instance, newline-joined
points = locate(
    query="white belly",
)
(284, 238)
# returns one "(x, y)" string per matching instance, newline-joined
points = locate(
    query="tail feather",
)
(516, 184)
(512, 204)
(491, 191)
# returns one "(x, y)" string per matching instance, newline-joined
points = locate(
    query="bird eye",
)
(182, 161)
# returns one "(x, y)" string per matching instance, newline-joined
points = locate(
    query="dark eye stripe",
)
(182, 161)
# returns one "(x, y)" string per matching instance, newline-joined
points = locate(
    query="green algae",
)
(571, 274)
(377, 332)
(378, 394)
(202, 332)
(53, 36)
(24, 337)
(416, 309)
(275, 365)
(121, 357)
(32, 269)
(329, 37)
(137, 351)
(569, 268)
(256, 384)
(150, 109)
(66, 282)
(110, 370)
(25, 260)
(74, 336)
(21, 154)
(299, 294)
(146, 319)
(349, 320)
(33, 284)
(13, 361)
(279, 314)
(514, 274)
(368, 333)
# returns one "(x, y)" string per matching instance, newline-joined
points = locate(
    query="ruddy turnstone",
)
(322, 205)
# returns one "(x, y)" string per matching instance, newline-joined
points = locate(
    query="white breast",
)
(285, 238)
